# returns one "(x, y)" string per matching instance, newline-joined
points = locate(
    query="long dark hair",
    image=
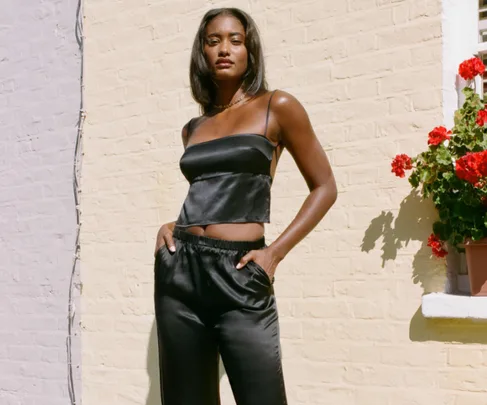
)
(202, 86)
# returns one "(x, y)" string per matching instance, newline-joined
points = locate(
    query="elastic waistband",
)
(219, 243)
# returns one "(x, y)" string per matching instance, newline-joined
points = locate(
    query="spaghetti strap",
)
(189, 126)
(188, 131)
(268, 110)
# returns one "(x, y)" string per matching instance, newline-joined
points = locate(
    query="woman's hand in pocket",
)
(265, 258)
(164, 237)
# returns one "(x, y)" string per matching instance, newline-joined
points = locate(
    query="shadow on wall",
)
(422, 329)
(154, 395)
(413, 223)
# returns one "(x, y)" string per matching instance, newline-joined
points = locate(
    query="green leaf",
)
(483, 143)
(443, 156)
(477, 234)
(461, 210)
(443, 230)
(443, 213)
(425, 175)
(457, 239)
(414, 180)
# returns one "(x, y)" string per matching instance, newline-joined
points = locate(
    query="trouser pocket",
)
(258, 269)
(164, 263)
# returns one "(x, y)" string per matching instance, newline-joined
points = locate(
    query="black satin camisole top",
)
(230, 180)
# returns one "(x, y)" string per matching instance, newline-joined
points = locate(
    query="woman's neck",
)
(228, 92)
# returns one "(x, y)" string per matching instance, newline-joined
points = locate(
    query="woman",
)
(213, 271)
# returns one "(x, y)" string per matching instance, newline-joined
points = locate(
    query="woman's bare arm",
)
(300, 140)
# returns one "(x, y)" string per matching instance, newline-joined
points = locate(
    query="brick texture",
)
(369, 74)
(39, 105)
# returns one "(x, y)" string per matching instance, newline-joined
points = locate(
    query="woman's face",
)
(225, 48)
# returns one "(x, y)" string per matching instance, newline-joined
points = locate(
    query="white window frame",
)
(460, 26)
(460, 42)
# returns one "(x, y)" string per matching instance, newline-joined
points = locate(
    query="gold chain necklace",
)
(224, 107)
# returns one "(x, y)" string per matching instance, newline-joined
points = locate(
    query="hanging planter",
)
(452, 172)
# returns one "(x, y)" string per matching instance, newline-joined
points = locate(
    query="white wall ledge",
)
(441, 305)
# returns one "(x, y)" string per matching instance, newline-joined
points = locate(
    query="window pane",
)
(484, 78)
(483, 20)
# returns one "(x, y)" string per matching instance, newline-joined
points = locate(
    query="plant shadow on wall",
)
(413, 223)
(154, 394)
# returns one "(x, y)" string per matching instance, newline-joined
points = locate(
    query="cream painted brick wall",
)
(369, 74)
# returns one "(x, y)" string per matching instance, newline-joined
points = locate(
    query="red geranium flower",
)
(436, 246)
(400, 163)
(472, 168)
(471, 68)
(481, 118)
(438, 135)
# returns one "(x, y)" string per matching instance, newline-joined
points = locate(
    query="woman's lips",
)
(223, 65)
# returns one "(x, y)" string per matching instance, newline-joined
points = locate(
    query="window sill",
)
(441, 305)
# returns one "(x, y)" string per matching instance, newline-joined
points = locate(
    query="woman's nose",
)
(224, 48)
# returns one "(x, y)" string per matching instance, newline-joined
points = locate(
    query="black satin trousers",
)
(204, 308)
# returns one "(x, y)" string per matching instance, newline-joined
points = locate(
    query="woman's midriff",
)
(235, 232)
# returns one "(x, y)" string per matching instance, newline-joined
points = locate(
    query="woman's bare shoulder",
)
(284, 101)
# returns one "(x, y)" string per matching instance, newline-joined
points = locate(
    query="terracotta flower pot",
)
(476, 253)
